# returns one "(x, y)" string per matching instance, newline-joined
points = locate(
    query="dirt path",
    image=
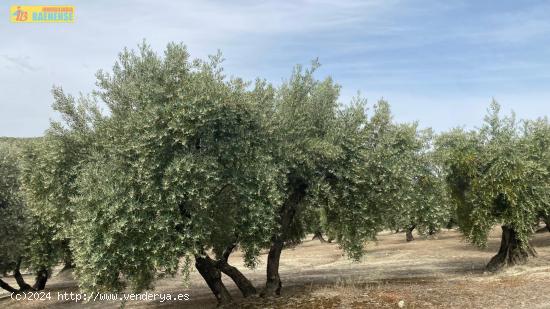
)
(427, 273)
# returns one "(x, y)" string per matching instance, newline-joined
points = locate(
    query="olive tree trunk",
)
(4, 285)
(319, 235)
(512, 251)
(23, 286)
(409, 233)
(41, 279)
(39, 284)
(273, 282)
(244, 285)
(211, 274)
(68, 260)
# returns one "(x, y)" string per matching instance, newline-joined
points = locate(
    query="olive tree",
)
(402, 179)
(303, 144)
(430, 208)
(26, 240)
(309, 131)
(181, 169)
(12, 217)
(343, 168)
(391, 152)
(351, 215)
(497, 175)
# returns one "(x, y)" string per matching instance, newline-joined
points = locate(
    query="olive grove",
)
(186, 165)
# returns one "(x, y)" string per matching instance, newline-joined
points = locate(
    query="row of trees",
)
(187, 165)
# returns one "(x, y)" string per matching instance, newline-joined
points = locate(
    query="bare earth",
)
(444, 272)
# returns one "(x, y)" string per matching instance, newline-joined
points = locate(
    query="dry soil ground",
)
(444, 272)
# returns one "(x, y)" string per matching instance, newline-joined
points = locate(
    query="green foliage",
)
(351, 218)
(25, 238)
(13, 222)
(301, 141)
(497, 174)
(17, 143)
(324, 147)
(187, 161)
(181, 166)
(392, 152)
(50, 167)
(431, 208)
(380, 176)
(457, 150)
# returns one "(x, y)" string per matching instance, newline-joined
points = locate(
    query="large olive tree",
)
(347, 170)
(181, 169)
(498, 174)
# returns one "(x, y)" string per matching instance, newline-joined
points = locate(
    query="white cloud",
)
(19, 63)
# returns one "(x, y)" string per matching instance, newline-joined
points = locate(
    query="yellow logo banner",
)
(42, 13)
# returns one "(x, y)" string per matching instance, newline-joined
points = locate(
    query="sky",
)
(437, 62)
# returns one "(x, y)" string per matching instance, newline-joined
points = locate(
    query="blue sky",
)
(438, 62)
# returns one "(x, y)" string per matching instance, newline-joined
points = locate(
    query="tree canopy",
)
(187, 165)
(499, 174)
